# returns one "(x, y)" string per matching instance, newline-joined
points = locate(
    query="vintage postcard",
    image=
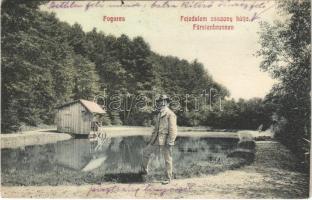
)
(156, 99)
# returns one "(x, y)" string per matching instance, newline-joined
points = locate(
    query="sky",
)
(227, 55)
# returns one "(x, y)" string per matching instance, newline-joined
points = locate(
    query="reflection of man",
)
(163, 137)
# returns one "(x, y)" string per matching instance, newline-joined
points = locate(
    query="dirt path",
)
(272, 175)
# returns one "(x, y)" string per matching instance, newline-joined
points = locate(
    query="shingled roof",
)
(89, 105)
(92, 106)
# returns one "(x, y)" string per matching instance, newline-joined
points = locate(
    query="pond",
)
(81, 161)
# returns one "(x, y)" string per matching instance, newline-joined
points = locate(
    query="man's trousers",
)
(166, 150)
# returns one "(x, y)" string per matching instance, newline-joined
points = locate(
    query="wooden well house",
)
(79, 117)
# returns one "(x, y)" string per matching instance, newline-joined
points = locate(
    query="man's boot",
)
(165, 182)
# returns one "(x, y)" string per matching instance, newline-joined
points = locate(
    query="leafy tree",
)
(86, 80)
(29, 64)
(76, 39)
(46, 62)
(115, 118)
(286, 53)
(105, 119)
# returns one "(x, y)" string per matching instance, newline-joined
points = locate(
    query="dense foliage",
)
(286, 52)
(46, 62)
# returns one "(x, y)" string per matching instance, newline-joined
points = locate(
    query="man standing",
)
(163, 136)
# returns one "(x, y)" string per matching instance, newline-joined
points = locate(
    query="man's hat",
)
(163, 97)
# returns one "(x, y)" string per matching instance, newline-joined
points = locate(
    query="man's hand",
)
(170, 143)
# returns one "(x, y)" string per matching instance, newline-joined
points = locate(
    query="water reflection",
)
(77, 158)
